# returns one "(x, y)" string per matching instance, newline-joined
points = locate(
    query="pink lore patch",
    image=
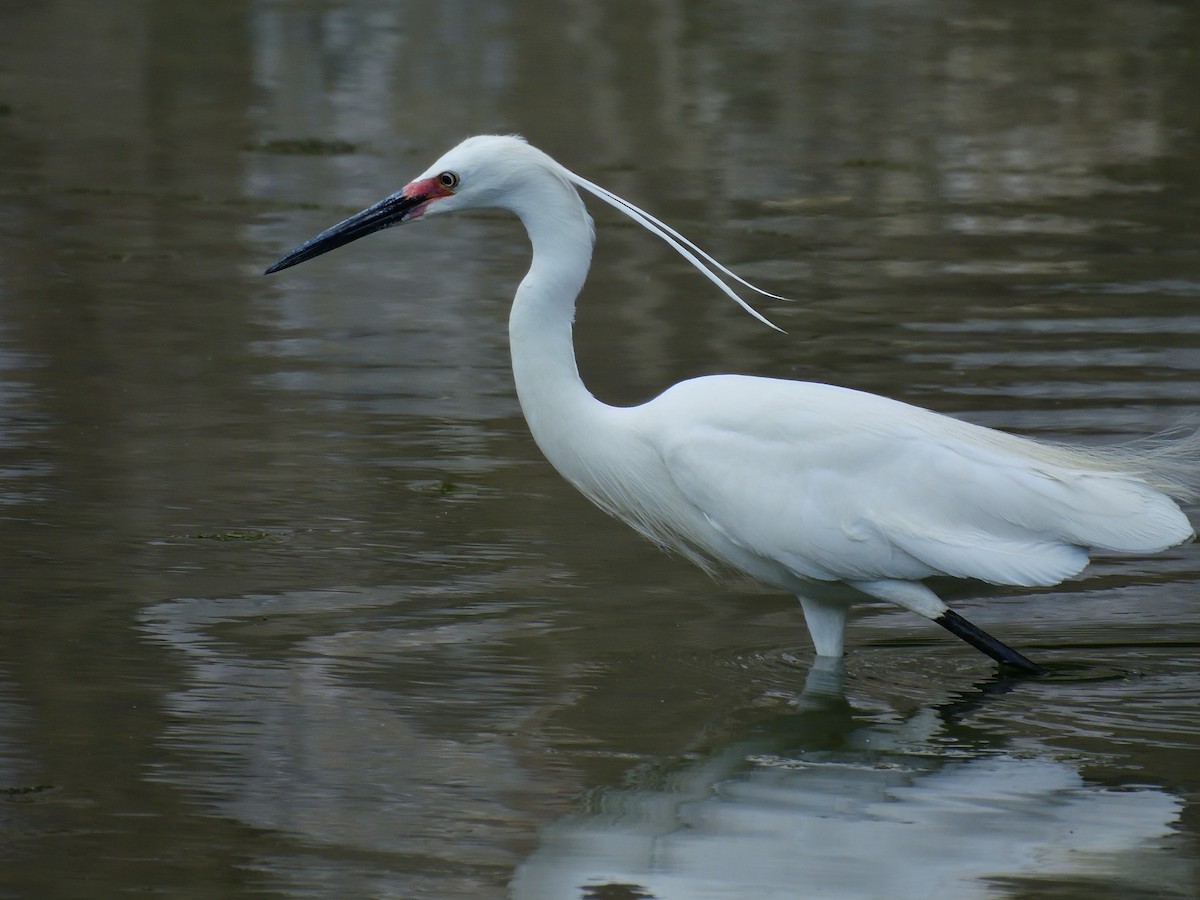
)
(431, 189)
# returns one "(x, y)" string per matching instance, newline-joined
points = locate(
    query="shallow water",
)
(294, 607)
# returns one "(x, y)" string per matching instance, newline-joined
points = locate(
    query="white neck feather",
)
(557, 405)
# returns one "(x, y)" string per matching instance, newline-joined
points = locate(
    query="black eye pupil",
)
(448, 179)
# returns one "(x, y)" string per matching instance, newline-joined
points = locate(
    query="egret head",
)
(482, 171)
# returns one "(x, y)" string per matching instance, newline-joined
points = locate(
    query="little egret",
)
(807, 487)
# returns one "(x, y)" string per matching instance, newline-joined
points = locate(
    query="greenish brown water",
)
(292, 606)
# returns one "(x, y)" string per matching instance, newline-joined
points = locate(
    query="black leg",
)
(985, 643)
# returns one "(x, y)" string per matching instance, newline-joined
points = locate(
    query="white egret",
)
(803, 486)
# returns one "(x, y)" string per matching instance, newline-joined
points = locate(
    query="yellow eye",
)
(448, 180)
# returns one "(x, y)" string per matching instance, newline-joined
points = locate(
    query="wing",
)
(840, 485)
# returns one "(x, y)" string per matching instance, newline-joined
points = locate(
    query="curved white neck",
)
(554, 399)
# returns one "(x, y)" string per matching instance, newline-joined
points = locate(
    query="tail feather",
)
(1124, 497)
(1168, 461)
(1125, 515)
(1145, 480)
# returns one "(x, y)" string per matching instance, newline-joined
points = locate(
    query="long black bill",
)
(387, 212)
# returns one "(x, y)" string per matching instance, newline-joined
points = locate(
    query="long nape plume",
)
(705, 263)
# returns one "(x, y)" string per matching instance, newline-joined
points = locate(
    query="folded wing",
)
(840, 485)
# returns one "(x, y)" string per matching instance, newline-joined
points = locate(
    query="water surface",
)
(293, 606)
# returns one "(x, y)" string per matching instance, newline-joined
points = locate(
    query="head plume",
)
(712, 269)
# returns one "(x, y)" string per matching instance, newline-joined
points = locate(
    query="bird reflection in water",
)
(824, 802)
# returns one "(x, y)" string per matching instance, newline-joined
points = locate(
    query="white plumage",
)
(800, 485)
